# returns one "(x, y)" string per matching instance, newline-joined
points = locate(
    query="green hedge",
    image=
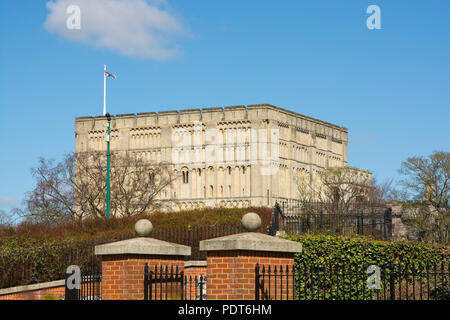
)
(36, 252)
(27, 261)
(99, 227)
(333, 267)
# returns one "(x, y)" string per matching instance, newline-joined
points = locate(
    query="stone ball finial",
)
(251, 222)
(143, 227)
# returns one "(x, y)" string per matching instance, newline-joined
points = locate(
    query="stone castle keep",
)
(236, 156)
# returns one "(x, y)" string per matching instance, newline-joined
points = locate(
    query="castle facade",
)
(236, 156)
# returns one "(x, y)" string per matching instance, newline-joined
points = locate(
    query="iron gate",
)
(164, 283)
(89, 287)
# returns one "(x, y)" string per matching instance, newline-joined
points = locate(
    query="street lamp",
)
(108, 156)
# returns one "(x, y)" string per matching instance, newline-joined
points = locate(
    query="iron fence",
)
(392, 282)
(192, 236)
(164, 283)
(89, 289)
(294, 216)
(90, 286)
(49, 262)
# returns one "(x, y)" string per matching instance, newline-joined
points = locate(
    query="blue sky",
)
(389, 87)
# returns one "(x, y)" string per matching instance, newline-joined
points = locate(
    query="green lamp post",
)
(108, 166)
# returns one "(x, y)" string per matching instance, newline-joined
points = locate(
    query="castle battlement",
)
(267, 112)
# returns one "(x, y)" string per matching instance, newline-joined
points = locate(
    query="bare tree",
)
(383, 191)
(5, 218)
(340, 186)
(428, 179)
(426, 195)
(76, 187)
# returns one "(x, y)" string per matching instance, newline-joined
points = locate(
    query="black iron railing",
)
(168, 283)
(294, 216)
(89, 288)
(395, 281)
(49, 262)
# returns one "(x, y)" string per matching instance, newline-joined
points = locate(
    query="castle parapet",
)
(235, 113)
(147, 119)
(212, 114)
(190, 115)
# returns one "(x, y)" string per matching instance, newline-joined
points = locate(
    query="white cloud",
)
(7, 201)
(136, 28)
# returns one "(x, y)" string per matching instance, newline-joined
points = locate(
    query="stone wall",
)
(223, 156)
(400, 230)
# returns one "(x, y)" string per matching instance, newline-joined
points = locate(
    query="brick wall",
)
(231, 274)
(123, 275)
(28, 293)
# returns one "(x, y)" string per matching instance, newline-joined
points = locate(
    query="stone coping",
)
(251, 241)
(147, 246)
(195, 263)
(228, 108)
(33, 287)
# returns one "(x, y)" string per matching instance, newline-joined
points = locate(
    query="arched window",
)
(211, 191)
(185, 173)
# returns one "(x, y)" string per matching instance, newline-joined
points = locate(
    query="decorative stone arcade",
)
(231, 260)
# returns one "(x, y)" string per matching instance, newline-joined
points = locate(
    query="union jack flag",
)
(107, 74)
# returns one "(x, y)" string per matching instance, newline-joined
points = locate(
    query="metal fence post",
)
(257, 282)
(359, 224)
(388, 223)
(392, 282)
(182, 284)
(201, 288)
(146, 282)
(321, 217)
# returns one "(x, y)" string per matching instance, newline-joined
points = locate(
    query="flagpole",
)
(104, 92)
(108, 168)
(108, 152)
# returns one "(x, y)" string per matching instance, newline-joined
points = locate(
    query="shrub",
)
(334, 267)
(99, 227)
(440, 293)
(37, 252)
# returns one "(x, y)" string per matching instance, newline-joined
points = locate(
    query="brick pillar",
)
(123, 265)
(231, 263)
